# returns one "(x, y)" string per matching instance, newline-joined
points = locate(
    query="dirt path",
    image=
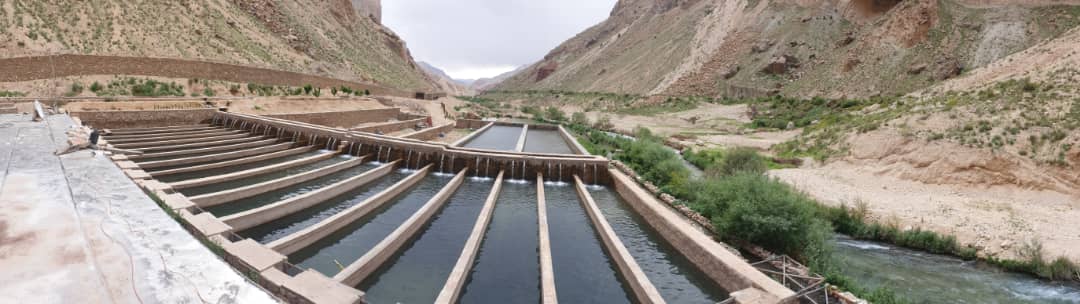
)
(995, 219)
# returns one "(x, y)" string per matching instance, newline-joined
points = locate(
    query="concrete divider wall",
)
(215, 157)
(726, 269)
(250, 172)
(234, 162)
(268, 213)
(548, 294)
(303, 238)
(140, 119)
(219, 146)
(218, 198)
(385, 249)
(643, 289)
(474, 134)
(390, 127)
(342, 119)
(521, 139)
(430, 133)
(449, 158)
(471, 123)
(460, 273)
(573, 142)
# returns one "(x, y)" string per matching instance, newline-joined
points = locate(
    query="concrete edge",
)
(359, 270)
(155, 150)
(467, 138)
(299, 240)
(122, 139)
(216, 146)
(216, 157)
(643, 288)
(163, 130)
(460, 273)
(548, 293)
(377, 126)
(251, 172)
(138, 145)
(258, 216)
(429, 133)
(574, 144)
(725, 269)
(222, 197)
(520, 147)
(235, 162)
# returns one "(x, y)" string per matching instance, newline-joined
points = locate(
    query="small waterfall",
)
(351, 146)
(378, 154)
(594, 179)
(560, 173)
(476, 167)
(512, 165)
(388, 151)
(442, 163)
(524, 168)
(548, 171)
(408, 159)
(488, 161)
(452, 159)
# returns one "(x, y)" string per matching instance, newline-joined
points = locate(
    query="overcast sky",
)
(483, 38)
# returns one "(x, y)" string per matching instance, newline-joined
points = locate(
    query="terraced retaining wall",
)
(147, 118)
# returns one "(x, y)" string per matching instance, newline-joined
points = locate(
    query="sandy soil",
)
(441, 110)
(717, 125)
(996, 219)
(284, 105)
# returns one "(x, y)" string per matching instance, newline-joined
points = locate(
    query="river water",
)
(931, 278)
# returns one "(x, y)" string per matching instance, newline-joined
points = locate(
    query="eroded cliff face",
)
(830, 48)
(369, 8)
(328, 38)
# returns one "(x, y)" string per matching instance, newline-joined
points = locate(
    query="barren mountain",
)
(445, 82)
(338, 38)
(830, 48)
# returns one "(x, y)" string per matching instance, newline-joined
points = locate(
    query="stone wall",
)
(344, 119)
(143, 119)
(430, 133)
(48, 67)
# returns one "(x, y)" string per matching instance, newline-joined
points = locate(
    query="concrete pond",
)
(510, 213)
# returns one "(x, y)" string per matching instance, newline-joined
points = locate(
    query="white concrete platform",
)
(75, 229)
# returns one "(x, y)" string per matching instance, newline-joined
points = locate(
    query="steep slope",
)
(329, 38)
(445, 82)
(832, 48)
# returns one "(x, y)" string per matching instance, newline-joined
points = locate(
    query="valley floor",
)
(997, 220)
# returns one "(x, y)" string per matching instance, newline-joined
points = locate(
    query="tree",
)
(307, 89)
(333, 91)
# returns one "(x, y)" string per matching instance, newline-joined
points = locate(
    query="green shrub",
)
(553, 113)
(579, 118)
(76, 89)
(307, 89)
(603, 123)
(208, 92)
(742, 160)
(95, 87)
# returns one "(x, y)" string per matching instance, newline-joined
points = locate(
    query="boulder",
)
(762, 46)
(948, 68)
(780, 65)
(730, 72)
(917, 69)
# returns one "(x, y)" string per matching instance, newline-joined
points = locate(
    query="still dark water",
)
(677, 279)
(496, 138)
(546, 141)
(350, 243)
(507, 268)
(583, 271)
(421, 269)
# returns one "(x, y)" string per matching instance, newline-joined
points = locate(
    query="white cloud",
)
(484, 38)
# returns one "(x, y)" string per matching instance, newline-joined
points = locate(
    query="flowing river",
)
(931, 278)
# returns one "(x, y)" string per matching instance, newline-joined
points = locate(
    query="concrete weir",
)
(264, 214)
(415, 221)
(303, 238)
(368, 263)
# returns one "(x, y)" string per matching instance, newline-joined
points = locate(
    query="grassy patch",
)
(12, 94)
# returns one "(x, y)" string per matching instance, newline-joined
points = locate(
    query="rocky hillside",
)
(445, 82)
(338, 38)
(830, 48)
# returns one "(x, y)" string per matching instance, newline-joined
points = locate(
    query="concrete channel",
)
(510, 213)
